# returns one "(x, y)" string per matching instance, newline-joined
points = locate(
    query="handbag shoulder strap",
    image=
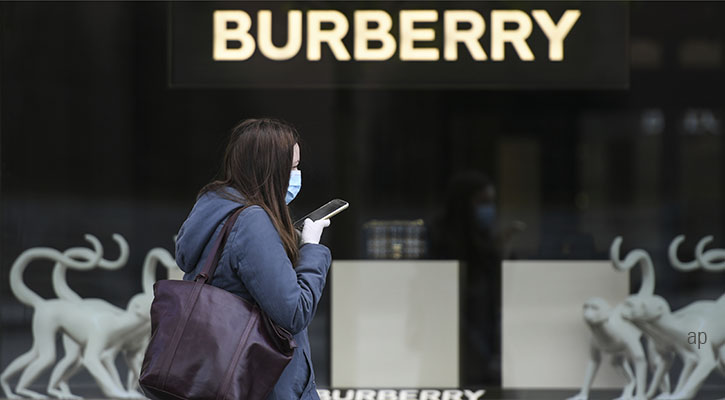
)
(213, 258)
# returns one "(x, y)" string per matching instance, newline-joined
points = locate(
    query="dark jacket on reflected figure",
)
(255, 266)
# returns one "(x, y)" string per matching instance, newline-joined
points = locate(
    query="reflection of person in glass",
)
(262, 261)
(468, 230)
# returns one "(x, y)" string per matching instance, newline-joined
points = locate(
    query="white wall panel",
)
(545, 339)
(395, 324)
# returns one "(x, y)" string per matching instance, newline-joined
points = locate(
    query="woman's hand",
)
(312, 230)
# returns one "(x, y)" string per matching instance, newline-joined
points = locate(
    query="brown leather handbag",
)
(207, 343)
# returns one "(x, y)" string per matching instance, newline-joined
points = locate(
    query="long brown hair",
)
(257, 163)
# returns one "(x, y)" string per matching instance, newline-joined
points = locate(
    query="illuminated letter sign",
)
(239, 33)
(361, 44)
(470, 37)
(381, 33)
(264, 36)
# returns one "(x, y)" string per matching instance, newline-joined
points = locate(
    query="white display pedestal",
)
(395, 324)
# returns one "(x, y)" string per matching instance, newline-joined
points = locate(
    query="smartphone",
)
(327, 211)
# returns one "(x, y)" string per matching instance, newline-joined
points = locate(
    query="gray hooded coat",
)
(255, 266)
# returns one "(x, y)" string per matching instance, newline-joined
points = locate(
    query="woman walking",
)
(265, 259)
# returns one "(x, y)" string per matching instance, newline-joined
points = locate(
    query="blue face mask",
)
(485, 216)
(295, 184)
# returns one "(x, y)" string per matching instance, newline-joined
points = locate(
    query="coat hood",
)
(206, 216)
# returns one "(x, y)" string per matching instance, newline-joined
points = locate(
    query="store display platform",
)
(90, 392)
(562, 394)
(706, 393)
